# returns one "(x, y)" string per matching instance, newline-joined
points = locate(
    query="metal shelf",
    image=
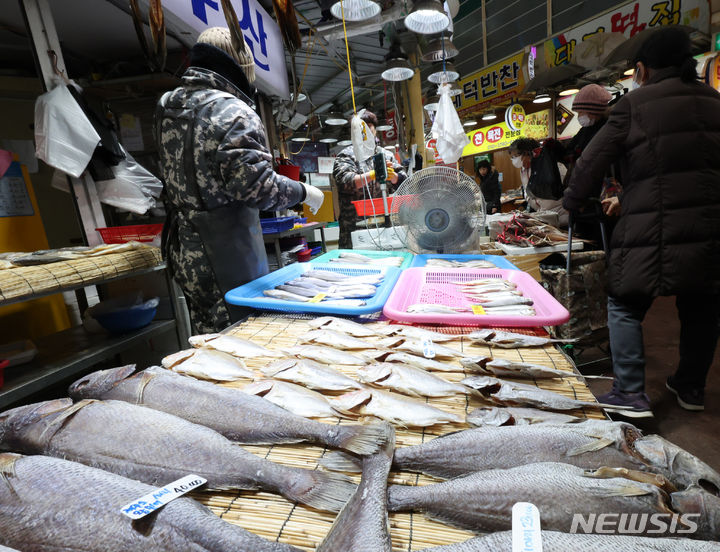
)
(67, 353)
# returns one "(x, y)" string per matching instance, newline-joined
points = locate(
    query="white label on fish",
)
(159, 497)
(428, 348)
(526, 535)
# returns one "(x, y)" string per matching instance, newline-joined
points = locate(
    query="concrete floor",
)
(697, 432)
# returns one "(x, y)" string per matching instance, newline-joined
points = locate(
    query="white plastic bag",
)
(362, 138)
(134, 188)
(447, 129)
(64, 137)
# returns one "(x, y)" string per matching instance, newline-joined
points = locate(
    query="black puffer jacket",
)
(666, 136)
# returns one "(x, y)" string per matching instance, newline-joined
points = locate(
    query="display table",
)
(300, 231)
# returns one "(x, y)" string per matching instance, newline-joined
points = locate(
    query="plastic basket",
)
(498, 260)
(251, 294)
(435, 286)
(136, 232)
(335, 253)
(375, 207)
(274, 225)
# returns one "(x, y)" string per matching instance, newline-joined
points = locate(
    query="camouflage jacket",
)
(345, 169)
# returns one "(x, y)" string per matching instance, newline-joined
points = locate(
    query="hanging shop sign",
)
(712, 72)
(390, 136)
(629, 19)
(495, 83)
(500, 135)
(515, 116)
(261, 33)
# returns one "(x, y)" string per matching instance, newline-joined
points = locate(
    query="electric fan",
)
(440, 210)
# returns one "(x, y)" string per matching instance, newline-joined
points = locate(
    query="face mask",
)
(517, 162)
(585, 120)
(635, 85)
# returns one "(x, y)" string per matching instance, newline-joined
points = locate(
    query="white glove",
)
(313, 198)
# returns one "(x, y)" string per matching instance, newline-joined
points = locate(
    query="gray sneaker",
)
(632, 405)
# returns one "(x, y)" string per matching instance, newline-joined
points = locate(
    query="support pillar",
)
(413, 110)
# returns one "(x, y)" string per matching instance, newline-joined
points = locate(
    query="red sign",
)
(478, 138)
(391, 136)
(495, 134)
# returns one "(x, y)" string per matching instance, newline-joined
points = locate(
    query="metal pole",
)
(484, 34)
(549, 16)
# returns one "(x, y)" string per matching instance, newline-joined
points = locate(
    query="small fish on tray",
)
(231, 344)
(312, 375)
(208, 364)
(409, 380)
(294, 398)
(453, 263)
(327, 287)
(342, 325)
(511, 340)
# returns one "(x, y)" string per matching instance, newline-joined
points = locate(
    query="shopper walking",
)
(666, 136)
(490, 186)
(218, 174)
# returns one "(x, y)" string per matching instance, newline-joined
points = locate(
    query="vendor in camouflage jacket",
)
(350, 178)
(218, 173)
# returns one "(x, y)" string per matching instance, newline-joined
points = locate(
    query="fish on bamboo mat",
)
(209, 364)
(294, 398)
(311, 374)
(53, 504)
(409, 380)
(392, 407)
(421, 362)
(337, 340)
(481, 501)
(236, 415)
(517, 415)
(511, 340)
(327, 355)
(233, 345)
(415, 332)
(419, 348)
(555, 541)
(362, 524)
(155, 447)
(510, 368)
(342, 325)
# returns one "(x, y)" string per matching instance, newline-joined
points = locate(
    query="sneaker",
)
(689, 399)
(632, 405)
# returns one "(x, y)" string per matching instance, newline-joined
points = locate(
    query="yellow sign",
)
(477, 309)
(500, 135)
(319, 297)
(490, 85)
(515, 116)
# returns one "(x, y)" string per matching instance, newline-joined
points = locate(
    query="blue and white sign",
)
(159, 497)
(261, 32)
(526, 534)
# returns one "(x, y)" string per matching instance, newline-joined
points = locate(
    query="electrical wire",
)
(347, 54)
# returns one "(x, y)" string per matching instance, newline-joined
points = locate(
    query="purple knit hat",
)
(592, 98)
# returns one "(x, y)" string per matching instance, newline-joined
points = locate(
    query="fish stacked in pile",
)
(329, 288)
(435, 262)
(527, 231)
(351, 257)
(128, 431)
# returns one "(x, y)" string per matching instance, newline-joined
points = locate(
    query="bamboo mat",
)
(273, 517)
(25, 282)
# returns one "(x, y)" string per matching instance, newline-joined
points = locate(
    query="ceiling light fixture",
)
(432, 103)
(427, 17)
(470, 123)
(455, 89)
(328, 140)
(301, 97)
(542, 98)
(344, 143)
(398, 69)
(439, 74)
(355, 10)
(489, 116)
(629, 72)
(384, 125)
(299, 139)
(335, 119)
(439, 49)
(569, 92)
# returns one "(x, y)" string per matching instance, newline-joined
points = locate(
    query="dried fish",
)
(310, 374)
(516, 415)
(327, 355)
(421, 362)
(233, 345)
(409, 380)
(291, 397)
(510, 340)
(416, 333)
(342, 325)
(210, 364)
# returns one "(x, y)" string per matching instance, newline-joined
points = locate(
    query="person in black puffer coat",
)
(490, 186)
(666, 136)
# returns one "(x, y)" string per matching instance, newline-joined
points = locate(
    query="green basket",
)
(335, 253)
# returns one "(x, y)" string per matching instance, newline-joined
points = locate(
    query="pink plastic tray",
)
(434, 286)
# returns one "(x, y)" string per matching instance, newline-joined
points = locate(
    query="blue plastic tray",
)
(251, 294)
(273, 225)
(499, 260)
(335, 253)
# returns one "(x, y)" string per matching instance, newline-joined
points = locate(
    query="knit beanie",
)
(592, 98)
(220, 38)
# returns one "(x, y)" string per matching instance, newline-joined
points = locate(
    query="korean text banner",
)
(499, 136)
(628, 20)
(259, 29)
(490, 85)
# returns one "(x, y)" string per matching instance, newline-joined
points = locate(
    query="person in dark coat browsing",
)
(666, 136)
(490, 186)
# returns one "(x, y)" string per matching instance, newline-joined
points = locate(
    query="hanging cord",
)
(347, 54)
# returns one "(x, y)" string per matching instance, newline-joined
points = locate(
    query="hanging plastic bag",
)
(133, 172)
(64, 138)
(134, 188)
(362, 138)
(447, 129)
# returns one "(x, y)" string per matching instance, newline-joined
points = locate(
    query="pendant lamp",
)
(355, 10)
(439, 74)
(427, 17)
(434, 50)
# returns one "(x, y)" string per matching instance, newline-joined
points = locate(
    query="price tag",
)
(319, 297)
(526, 534)
(159, 497)
(428, 348)
(477, 309)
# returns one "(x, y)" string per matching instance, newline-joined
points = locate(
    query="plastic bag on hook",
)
(447, 128)
(363, 140)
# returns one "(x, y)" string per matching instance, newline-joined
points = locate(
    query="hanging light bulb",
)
(489, 115)
(438, 49)
(439, 74)
(299, 139)
(470, 123)
(427, 17)
(398, 69)
(328, 140)
(384, 125)
(569, 92)
(344, 143)
(542, 98)
(355, 10)
(432, 103)
(335, 119)
(301, 97)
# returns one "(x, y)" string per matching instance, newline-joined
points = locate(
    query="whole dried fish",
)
(155, 448)
(295, 398)
(510, 368)
(341, 325)
(363, 522)
(434, 308)
(409, 380)
(234, 345)
(516, 415)
(510, 340)
(229, 411)
(415, 332)
(53, 504)
(310, 374)
(344, 303)
(421, 362)
(554, 541)
(335, 339)
(397, 409)
(327, 275)
(208, 364)
(416, 347)
(285, 295)
(299, 290)
(327, 355)
(482, 501)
